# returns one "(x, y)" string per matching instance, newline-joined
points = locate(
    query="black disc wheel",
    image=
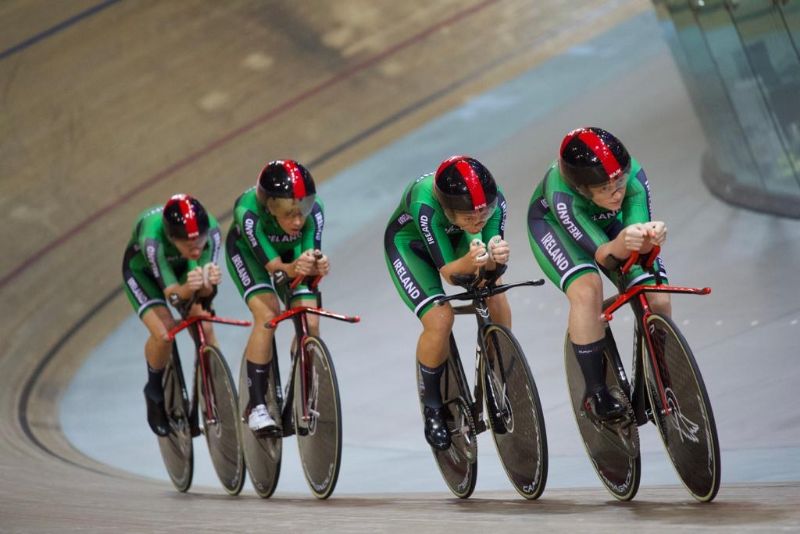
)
(176, 448)
(459, 463)
(514, 412)
(219, 410)
(681, 409)
(318, 418)
(613, 451)
(262, 453)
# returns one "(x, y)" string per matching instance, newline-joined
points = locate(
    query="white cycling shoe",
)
(259, 419)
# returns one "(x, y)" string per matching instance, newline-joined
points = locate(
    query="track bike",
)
(665, 388)
(310, 408)
(213, 398)
(504, 383)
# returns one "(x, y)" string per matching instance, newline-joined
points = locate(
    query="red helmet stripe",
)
(446, 163)
(189, 216)
(473, 182)
(293, 171)
(603, 153)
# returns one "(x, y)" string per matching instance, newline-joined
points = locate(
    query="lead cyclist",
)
(589, 213)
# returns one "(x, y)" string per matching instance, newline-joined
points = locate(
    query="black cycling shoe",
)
(603, 406)
(156, 413)
(436, 432)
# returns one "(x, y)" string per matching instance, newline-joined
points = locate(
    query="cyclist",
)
(277, 226)
(172, 252)
(437, 231)
(592, 209)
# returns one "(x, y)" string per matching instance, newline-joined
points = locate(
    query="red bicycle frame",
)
(194, 325)
(298, 316)
(637, 293)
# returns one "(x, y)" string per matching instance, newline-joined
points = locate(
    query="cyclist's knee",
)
(159, 322)
(438, 320)
(500, 309)
(161, 340)
(264, 307)
(586, 292)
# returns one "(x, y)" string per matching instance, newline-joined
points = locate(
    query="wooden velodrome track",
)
(109, 107)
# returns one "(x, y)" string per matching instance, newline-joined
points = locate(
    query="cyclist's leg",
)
(660, 302)
(573, 270)
(255, 286)
(147, 300)
(208, 328)
(158, 347)
(585, 295)
(418, 283)
(158, 320)
(432, 353)
(499, 309)
(587, 333)
(302, 296)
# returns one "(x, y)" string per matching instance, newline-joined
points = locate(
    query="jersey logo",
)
(606, 215)
(562, 210)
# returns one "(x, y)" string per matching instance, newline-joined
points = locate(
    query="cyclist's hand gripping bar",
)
(314, 280)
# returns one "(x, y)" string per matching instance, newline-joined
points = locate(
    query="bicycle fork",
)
(647, 334)
(478, 415)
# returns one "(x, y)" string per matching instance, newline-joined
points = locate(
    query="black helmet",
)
(287, 179)
(184, 217)
(462, 183)
(592, 156)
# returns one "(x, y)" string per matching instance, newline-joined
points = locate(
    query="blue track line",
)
(55, 29)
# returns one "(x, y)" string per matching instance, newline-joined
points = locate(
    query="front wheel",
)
(262, 453)
(176, 447)
(681, 409)
(219, 408)
(614, 452)
(318, 418)
(514, 412)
